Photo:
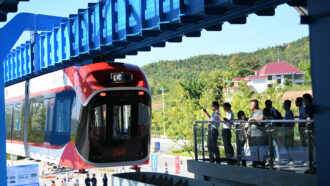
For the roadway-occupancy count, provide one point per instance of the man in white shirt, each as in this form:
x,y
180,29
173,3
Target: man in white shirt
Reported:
x,y
226,130
213,133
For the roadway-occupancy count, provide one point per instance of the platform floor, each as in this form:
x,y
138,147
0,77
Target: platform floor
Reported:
x,y
240,175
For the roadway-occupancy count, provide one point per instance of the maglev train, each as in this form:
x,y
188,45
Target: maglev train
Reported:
x,y
97,115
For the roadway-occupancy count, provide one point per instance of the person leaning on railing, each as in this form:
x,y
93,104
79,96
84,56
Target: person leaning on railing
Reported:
x,y
258,137
212,139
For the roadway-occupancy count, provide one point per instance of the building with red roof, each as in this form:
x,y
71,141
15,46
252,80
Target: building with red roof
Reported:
x,y
270,74
277,69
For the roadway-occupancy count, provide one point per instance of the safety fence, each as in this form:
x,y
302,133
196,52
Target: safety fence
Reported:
x,y
275,144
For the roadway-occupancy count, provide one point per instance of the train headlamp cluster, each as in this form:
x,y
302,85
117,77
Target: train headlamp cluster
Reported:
x,y
121,77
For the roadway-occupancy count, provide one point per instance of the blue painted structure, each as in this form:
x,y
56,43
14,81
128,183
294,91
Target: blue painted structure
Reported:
x,y
114,29
18,62
8,36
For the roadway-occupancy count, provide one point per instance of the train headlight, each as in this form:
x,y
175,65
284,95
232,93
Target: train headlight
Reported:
x,y
122,77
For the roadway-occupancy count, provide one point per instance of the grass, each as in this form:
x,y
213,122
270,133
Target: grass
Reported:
x,y
182,152
185,154
18,157
303,87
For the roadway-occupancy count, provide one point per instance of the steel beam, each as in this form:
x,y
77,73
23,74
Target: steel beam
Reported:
x,y
113,29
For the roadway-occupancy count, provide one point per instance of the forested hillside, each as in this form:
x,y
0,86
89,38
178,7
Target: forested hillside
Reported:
x,y
192,84
163,72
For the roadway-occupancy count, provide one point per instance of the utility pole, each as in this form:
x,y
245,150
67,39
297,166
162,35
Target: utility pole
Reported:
x,y
162,89
227,82
278,55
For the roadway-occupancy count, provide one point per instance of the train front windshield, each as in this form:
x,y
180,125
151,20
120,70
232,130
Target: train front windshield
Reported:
x,y
117,128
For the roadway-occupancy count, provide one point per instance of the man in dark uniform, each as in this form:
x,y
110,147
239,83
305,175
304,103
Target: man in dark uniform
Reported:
x,y
94,181
309,114
88,181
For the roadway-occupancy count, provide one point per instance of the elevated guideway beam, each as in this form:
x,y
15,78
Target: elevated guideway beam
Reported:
x,y
10,33
112,29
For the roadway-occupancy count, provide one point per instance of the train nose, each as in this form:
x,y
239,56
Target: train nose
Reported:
x,y
115,127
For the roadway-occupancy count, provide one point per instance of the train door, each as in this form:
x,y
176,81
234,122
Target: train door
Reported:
x,y
62,121
36,126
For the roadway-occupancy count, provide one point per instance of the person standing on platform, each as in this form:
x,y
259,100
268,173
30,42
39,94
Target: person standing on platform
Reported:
x,y
226,129
309,114
88,181
258,137
302,126
212,140
274,114
308,102
105,180
243,134
286,133
94,180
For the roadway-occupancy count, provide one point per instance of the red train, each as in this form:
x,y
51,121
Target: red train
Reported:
x,y
97,115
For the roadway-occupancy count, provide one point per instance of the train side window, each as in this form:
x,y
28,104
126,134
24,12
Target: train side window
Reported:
x,y
63,115
9,119
17,121
37,117
37,120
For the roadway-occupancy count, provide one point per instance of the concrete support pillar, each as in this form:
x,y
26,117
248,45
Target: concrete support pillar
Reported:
x,y
319,12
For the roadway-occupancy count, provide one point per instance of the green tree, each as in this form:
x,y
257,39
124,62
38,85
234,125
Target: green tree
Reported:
x,y
306,67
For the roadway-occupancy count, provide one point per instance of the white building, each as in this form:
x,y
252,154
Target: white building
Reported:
x,y
270,74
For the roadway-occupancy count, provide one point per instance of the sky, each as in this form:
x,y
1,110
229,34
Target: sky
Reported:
x,y
259,32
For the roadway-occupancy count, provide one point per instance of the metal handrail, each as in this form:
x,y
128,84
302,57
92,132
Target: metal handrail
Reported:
x,y
309,128
259,121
